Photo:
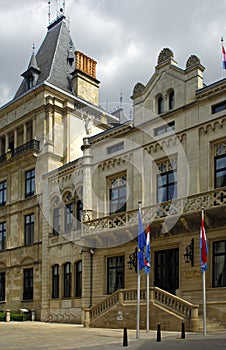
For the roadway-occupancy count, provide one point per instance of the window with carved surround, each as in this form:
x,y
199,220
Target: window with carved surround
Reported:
x,y
117,193
115,273
68,211
167,180
220,165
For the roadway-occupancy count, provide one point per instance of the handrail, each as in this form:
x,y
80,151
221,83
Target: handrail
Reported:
x,y
157,296
179,206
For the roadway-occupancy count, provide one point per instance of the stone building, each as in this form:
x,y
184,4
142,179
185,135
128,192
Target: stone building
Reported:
x,y
72,177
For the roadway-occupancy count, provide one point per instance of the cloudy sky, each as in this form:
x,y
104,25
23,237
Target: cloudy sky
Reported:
x,y
125,37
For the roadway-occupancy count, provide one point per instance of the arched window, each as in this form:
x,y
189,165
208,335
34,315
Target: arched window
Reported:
x,y
68,212
55,281
171,99
79,207
160,104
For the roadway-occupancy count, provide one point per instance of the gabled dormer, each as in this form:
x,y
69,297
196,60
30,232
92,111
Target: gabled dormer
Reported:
x,y
32,73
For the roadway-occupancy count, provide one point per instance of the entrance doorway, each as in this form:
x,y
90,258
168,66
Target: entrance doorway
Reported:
x,y
167,270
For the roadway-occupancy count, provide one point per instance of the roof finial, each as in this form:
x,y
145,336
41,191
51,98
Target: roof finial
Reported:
x,y
33,48
64,6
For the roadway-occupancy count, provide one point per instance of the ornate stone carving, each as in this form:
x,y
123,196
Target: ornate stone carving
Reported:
x,y
165,55
192,61
138,89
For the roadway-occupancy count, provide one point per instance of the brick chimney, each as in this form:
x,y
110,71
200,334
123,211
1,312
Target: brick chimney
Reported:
x,y
85,84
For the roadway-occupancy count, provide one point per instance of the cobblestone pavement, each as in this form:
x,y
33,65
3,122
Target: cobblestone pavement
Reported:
x,y
41,336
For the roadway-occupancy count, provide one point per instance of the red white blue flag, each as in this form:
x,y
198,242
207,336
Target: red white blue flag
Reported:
x,y
223,55
141,242
147,260
203,245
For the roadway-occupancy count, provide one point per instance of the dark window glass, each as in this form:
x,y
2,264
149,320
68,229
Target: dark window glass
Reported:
x,y
114,148
164,128
79,208
28,284
171,100
2,286
117,195
220,171
68,216
115,274
55,281
29,183
78,279
56,220
219,264
166,186
2,235
29,229
67,279
160,105
3,186
219,107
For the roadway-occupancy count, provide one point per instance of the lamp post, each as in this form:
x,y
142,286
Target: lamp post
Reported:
x,y
132,262
189,255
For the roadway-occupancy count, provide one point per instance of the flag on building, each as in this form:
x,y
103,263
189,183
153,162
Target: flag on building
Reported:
x,y
203,245
223,55
141,242
147,260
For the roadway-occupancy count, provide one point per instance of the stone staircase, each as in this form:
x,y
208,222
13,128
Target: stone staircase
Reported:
x,y
119,310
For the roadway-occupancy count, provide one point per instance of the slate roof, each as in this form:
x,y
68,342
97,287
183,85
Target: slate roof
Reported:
x,y
53,58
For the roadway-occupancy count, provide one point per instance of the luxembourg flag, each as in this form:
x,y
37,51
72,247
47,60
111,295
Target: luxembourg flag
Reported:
x,y
223,55
203,245
147,253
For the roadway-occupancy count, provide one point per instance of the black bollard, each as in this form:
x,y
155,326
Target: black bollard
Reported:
x,y
125,338
159,333
183,331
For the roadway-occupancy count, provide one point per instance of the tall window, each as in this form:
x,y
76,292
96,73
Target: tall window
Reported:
x,y
29,183
3,186
2,286
219,264
67,279
220,171
56,220
78,279
117,194
79,207
55,281
115,273
28,284
167,181
160,104
29,229
2,235
68,212
171,100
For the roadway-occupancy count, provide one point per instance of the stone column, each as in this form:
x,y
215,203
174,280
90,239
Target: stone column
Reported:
x,y
25,132
15,138
6,142
87,180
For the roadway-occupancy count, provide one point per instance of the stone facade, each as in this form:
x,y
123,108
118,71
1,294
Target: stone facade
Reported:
x,y
90,176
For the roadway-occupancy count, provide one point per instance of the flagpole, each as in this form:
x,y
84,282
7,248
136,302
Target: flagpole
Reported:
x,y
138,291
204,290
148,280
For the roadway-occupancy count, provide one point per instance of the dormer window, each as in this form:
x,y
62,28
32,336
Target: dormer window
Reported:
x,y
160,104
171,99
